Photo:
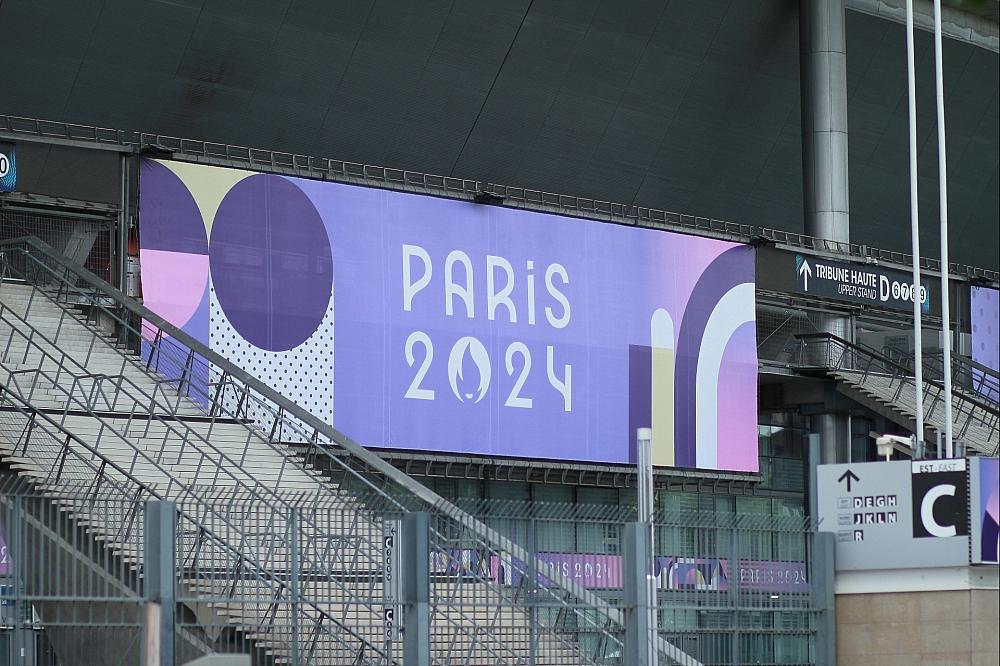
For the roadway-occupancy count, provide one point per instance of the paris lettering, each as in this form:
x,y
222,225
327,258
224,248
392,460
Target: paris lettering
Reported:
x,y
516,296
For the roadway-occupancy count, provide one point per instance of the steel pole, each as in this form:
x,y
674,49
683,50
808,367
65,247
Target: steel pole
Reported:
x,y
644,471
918,338
943,189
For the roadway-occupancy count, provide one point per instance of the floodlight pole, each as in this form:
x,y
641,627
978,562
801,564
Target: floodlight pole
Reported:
x,y
943,189
644,472
918,338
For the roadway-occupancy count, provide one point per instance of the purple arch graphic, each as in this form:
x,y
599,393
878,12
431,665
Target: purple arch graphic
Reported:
x,y
731,268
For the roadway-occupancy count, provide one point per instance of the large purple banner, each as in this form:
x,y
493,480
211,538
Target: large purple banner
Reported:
x,y
421,323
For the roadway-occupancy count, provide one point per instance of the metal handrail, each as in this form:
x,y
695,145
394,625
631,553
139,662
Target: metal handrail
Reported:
x,y
221,464
330,169
401,491
102,470
868,361
175,423
968,375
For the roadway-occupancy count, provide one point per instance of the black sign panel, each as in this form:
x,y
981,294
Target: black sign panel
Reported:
x,y
940,499
863,284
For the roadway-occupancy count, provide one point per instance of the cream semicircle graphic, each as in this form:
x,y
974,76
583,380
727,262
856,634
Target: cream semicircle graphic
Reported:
x,y
208,186
662,339
735,308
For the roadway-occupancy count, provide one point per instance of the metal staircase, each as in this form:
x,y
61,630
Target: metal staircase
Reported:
x,y
887,386
97,390
970,378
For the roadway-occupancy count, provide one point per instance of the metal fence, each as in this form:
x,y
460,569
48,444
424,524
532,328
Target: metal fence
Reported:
x,y
973,417
86,242
151,425
731,589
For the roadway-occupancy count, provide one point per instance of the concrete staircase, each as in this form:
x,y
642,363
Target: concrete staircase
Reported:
x,y
96,415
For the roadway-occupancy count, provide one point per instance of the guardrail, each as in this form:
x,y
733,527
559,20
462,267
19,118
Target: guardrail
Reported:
x,y
828,351
330,169
967,375
226,391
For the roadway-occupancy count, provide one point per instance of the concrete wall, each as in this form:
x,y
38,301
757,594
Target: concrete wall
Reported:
x,y
943,628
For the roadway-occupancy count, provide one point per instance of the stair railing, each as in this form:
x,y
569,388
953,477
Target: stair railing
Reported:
x,y
833,353
967,375
62,459
225,390
53,370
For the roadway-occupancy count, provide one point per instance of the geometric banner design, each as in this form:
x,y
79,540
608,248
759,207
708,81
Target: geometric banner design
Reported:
x,y
984,307
421,323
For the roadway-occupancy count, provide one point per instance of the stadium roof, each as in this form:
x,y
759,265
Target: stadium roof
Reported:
x,y
682,105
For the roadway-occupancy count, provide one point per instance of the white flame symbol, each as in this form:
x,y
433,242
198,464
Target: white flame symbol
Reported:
x,y
479,356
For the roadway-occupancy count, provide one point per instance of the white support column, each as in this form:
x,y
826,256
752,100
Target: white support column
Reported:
x,y
918,338
943,189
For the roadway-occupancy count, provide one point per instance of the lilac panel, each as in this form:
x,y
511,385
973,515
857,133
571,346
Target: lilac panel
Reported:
x,y
601,571
507,333
461,328
985,310
767,576
986,511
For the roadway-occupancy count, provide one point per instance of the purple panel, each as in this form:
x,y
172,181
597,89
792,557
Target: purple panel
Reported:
x,y
640,394
483,330
988,513
767,576
591,570
985,310
732,267
600,571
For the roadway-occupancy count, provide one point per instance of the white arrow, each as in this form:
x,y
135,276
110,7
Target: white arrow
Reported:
x,y
805,272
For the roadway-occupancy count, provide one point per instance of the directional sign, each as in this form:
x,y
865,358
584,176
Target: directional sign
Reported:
x,y
859,283
847,477
895,515
804,272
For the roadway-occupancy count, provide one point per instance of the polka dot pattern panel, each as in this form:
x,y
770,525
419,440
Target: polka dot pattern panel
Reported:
x,y
271,262
985,308
305,371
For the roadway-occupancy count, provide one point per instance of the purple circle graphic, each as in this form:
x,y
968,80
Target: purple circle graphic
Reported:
x,y
270,262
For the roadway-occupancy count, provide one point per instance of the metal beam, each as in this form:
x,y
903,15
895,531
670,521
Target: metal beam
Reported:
x,y
958,24
87,144
304,166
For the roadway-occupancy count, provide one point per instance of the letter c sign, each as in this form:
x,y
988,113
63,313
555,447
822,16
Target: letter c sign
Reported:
x,y
927,511
939,505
